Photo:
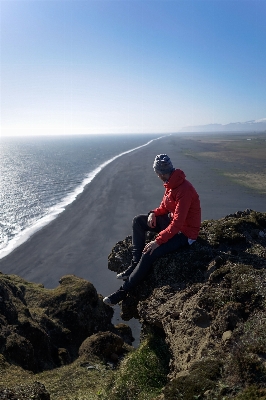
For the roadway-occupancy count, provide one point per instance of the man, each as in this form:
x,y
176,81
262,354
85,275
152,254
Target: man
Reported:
x,y
177,221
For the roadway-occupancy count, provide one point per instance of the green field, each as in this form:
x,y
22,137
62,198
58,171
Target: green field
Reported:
x,y
242,158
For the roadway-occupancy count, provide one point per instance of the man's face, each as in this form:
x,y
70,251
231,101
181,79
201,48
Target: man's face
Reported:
x,y
162,177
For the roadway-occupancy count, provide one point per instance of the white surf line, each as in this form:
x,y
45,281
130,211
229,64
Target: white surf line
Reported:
x,y
57,209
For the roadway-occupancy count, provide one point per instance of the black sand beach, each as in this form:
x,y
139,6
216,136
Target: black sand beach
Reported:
x,y
80,239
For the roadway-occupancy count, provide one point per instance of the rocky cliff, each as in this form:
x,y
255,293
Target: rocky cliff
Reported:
x,y
209,302
206,301
42,329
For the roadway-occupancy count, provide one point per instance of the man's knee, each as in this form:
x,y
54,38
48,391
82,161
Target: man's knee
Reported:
x,y
135,219
139,220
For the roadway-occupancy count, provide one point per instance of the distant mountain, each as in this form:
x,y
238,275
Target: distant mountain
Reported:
x,y
249,126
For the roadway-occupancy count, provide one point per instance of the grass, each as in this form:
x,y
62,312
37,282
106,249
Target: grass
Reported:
x,y
255,181
201,378
142,374
71,382
246,158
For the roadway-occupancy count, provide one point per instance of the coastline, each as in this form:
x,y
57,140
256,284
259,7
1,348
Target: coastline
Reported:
x,y
80,239
59,207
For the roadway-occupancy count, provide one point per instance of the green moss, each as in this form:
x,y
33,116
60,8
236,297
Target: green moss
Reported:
x,y
230,230
252,393
70,382
143,373
202,377
246,367
255,336
248,353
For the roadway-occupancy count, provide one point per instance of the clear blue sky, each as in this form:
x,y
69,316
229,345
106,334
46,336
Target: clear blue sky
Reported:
x,y
130,66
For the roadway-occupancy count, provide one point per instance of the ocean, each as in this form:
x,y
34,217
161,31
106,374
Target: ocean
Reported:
x,y
40,176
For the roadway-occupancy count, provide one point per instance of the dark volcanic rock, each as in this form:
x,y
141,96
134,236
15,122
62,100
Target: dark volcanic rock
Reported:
x,y
210,302
43,328
35,391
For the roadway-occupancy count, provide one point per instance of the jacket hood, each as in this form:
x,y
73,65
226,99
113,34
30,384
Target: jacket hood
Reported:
x,y
176,178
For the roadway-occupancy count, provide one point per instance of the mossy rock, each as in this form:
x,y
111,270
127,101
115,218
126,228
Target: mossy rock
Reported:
x,y
103,344
202,377
37,323
34,391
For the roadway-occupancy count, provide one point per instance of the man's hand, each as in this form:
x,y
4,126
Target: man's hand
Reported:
x,y
150,247
151,220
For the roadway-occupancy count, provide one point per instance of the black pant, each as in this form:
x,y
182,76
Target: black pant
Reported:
x,y
145,261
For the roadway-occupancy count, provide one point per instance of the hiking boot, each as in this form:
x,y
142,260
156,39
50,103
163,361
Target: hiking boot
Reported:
x,y
125,274
115,297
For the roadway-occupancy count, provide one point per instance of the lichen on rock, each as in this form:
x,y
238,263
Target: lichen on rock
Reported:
x,y
199,294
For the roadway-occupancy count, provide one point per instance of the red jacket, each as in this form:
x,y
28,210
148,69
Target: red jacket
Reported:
x,y
182,201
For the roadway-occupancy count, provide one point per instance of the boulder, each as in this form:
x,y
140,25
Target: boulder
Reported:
x,y
44,328
103,345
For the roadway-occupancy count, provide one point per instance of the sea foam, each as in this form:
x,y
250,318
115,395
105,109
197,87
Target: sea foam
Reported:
x,y
9,245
